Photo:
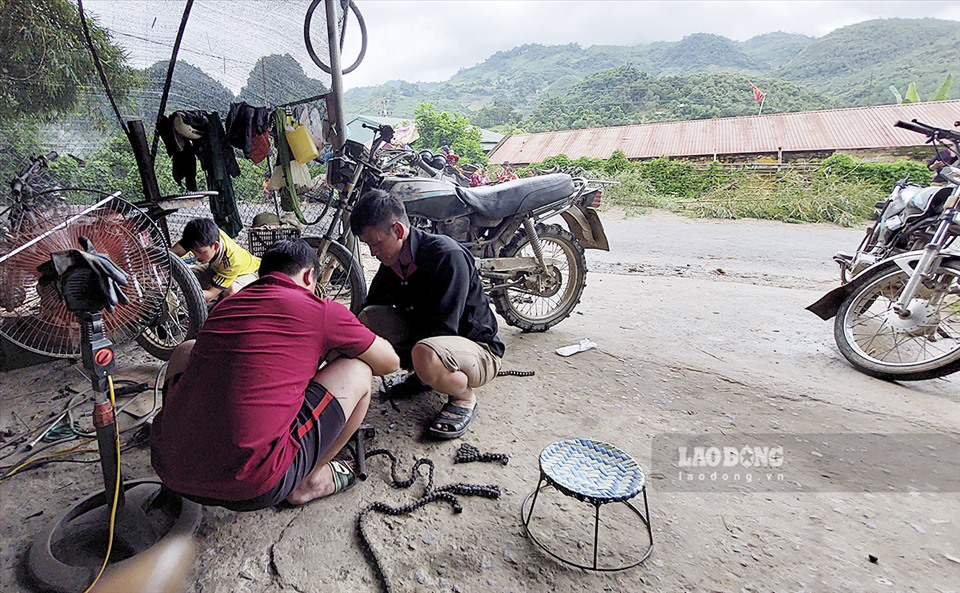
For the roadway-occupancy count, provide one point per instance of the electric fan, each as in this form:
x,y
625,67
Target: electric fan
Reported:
x,y
33,317
60,266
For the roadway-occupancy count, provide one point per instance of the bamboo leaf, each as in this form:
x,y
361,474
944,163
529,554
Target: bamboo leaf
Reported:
x,y
896,94
943,91
911,96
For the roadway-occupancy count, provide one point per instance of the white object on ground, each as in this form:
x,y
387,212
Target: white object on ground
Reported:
x,y
583,346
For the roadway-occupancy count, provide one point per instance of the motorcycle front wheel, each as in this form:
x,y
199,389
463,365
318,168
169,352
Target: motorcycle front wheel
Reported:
x,y
879,343
341,275
182,313
536,308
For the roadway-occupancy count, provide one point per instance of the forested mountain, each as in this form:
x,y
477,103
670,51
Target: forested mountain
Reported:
x,y
534,85
191,88
857,64
277,79
626,95
772,50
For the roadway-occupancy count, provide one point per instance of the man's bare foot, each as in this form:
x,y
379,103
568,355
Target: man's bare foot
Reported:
x,y
334,477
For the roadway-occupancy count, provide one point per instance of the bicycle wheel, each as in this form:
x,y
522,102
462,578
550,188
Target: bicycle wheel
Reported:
x,y
309,43
341,275
182,313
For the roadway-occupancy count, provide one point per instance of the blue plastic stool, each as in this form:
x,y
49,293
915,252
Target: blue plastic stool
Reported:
x,y
594,472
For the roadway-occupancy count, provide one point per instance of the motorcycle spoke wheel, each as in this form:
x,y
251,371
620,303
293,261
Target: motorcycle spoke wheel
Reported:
x,y
537,305
341,276
877,341
182,313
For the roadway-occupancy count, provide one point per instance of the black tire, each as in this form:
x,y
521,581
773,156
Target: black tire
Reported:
x,y
871,296
572,280
172,328
346,283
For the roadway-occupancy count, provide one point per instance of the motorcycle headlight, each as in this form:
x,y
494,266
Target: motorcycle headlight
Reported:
x,y
893,223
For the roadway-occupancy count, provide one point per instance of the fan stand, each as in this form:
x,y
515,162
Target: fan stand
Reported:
x,y
66,556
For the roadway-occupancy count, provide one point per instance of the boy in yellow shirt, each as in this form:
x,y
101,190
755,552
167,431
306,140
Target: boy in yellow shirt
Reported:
x,y
226,268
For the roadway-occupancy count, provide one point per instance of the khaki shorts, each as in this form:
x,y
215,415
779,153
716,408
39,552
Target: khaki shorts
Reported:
x,y
205,276
473,359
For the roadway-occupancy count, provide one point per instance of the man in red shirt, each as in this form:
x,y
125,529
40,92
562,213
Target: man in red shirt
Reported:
x,y
248,421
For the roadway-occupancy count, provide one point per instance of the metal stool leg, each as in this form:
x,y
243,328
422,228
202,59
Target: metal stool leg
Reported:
x,y
646,510
596,536
536,493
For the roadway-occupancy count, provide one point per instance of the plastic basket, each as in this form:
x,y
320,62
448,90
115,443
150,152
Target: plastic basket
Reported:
x,y
260,239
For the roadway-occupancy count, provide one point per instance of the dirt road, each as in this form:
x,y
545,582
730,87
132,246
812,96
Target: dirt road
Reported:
x,y
701,331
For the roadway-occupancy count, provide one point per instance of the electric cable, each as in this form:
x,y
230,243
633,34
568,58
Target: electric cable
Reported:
x,y
116,489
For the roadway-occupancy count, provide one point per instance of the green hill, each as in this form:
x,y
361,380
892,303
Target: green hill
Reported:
x,y
851,66
857,64
772,50
191,88
626,95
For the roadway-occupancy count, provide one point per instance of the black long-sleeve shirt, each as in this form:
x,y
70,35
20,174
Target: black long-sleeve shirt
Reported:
x,y
443,294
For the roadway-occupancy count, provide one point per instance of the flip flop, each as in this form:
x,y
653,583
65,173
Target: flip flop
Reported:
x,y
344,478
462,417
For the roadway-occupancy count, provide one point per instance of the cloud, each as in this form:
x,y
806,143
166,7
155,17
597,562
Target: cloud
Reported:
x,y
430,40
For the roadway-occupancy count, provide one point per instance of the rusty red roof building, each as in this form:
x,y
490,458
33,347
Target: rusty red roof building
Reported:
x,y
858,128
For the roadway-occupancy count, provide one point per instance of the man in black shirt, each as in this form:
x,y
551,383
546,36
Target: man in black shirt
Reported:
x,y
427,300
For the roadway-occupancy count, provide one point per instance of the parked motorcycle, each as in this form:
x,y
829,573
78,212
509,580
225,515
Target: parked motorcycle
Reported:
x,y
534,272
905,221
898,316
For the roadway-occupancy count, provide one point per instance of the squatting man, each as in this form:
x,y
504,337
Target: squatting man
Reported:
x,y
257,408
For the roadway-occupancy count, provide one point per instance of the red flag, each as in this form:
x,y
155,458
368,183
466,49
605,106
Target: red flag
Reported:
x,y
758,95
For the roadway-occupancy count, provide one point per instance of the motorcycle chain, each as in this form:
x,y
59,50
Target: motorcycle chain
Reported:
x,y
448,493
469,454
516,373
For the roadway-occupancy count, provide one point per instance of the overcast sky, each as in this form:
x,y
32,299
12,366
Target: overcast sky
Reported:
x,y
431,40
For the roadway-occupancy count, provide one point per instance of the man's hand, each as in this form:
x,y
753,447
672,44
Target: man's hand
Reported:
x,y
211,294
178,250
381,357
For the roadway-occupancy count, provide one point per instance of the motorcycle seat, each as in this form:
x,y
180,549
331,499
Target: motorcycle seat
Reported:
x,y
520,195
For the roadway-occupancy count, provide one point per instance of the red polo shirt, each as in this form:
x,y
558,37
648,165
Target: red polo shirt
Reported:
x,y
225,428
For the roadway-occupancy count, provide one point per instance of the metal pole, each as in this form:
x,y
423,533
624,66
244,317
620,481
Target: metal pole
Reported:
x,y
169,79
336,75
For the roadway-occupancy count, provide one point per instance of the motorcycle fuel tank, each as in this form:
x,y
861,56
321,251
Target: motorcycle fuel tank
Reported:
x,y
434,199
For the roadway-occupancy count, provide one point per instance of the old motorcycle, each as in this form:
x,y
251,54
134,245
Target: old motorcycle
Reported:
x,y
534,271
898,318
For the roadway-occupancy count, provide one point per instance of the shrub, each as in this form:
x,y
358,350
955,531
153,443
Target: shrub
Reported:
x,y
879,175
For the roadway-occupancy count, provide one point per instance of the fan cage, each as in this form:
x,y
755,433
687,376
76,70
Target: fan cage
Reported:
x,y
33,316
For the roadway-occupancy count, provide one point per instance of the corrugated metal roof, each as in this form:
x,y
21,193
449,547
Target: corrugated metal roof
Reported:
x,y
834,129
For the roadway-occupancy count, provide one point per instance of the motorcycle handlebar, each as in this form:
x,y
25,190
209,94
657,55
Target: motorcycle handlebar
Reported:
x,y
912,127
35,163
927,130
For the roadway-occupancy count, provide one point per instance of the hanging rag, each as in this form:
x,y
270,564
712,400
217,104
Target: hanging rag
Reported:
x,y
246,123
220,165
183,148
310,118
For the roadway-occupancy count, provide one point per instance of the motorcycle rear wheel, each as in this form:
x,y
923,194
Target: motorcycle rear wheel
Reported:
x,y
878,344
182,313
536,313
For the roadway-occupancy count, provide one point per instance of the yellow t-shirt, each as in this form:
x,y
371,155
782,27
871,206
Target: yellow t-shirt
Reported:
x,y
234,261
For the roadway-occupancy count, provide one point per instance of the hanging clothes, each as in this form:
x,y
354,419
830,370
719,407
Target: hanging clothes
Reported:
x,y
181,132
244,124
220,165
